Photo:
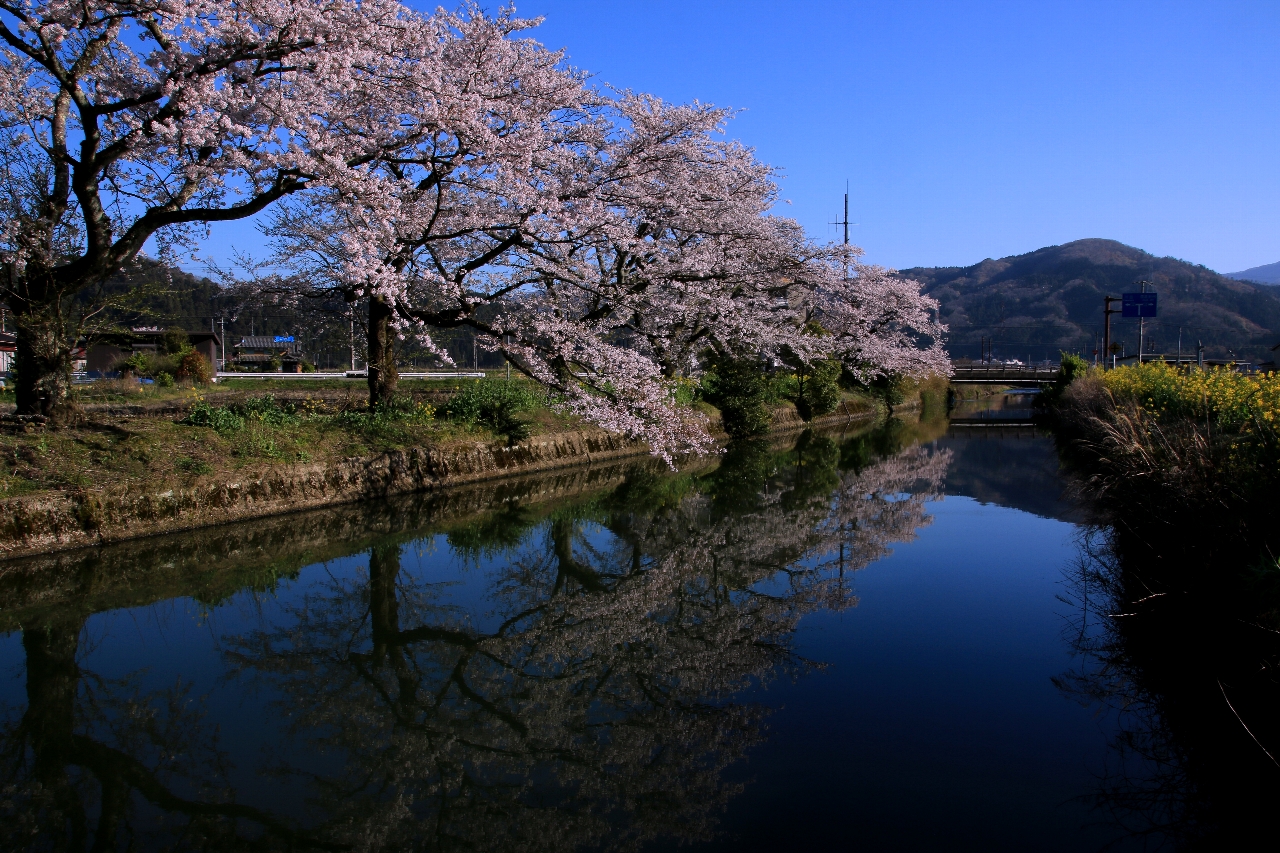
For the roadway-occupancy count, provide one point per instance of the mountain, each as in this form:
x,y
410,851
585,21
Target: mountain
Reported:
x,y
1038,304
1267,274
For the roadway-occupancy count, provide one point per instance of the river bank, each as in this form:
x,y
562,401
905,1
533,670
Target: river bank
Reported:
x,y
172,486
1178,451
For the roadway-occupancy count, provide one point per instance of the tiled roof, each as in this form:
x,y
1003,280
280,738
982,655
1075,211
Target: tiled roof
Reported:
x,y
268,342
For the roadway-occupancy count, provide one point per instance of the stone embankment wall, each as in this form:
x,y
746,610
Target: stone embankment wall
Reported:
x,y
210,563
55,521
51,522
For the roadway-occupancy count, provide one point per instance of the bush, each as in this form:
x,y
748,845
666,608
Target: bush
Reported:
x,y
684,391
495,404
148,364
164,380
196,368
739,388
891,389
174,342
138,363
218,418
818,391
388,420
1071,368
1231,401
266,409
1197,449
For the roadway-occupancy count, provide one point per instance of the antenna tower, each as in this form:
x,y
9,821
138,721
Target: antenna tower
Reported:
x,y
846,223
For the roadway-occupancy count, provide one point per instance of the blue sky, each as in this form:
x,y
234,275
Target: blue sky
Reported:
x,y
974,130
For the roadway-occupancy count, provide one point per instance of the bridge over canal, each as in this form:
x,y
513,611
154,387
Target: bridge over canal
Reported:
x,y
1015,376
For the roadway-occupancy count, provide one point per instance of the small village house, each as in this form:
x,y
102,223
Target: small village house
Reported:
x,y
268,353
106,351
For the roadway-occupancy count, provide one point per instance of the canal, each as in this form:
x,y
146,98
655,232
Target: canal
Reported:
x,y
877,639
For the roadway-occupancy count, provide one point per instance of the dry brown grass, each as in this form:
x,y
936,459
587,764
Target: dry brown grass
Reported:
x,y
1173,465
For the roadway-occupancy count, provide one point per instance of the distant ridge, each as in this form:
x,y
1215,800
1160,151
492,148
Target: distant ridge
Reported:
x,y
1268,274
1051,299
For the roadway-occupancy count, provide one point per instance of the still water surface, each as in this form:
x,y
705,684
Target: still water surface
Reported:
x,y
842,641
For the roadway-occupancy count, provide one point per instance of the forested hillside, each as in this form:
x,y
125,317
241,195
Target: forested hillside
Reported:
x,y
1036,304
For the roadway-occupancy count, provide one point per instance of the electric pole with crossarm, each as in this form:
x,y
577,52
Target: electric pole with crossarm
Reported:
x,y
846,223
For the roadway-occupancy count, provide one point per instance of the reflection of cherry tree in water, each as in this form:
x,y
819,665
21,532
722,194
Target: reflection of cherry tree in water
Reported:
x,y
595,705
74,760
1185,655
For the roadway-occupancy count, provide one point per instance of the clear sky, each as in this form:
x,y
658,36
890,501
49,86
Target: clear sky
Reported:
x,y
970,130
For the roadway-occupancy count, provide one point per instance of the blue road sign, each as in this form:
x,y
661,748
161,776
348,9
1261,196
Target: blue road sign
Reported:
x,y
288,339
1138,305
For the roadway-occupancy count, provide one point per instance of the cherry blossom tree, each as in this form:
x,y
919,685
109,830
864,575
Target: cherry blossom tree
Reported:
x,y
602,243
881,325
414,239
444,170
127,121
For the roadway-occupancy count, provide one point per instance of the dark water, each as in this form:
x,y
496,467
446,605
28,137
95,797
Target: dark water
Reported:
x,y
869,640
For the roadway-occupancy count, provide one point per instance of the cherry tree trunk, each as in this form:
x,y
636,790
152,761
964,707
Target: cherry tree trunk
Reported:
x,y
382,357
43,360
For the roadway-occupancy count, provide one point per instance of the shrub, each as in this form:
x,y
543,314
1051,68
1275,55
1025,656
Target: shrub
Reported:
x,y
164,380
1231,401
196,368
495,404
148,364
1071,368
218,418
388,420
739,388
138,363
818,390
1194,448
685,391
174,342
266,409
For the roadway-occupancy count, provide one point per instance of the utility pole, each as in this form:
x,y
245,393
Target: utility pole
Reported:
x,y
353,340
1107,311
222,324
846,223
1142,323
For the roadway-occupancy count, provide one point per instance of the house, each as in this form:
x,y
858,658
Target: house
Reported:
x,y
8,350
268,353
102,355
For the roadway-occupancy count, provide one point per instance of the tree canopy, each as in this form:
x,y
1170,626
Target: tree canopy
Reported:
x,y
442,170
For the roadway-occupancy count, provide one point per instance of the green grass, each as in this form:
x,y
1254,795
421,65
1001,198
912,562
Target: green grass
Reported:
x,y
220,441
227,433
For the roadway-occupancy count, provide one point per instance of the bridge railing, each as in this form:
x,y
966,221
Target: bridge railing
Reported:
x,y
1002,371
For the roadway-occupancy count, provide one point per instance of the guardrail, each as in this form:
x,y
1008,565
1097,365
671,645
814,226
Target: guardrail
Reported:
x,y
1002,373
354,376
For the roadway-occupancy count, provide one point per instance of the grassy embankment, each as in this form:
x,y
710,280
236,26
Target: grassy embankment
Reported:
x,y
222,431
1199,447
